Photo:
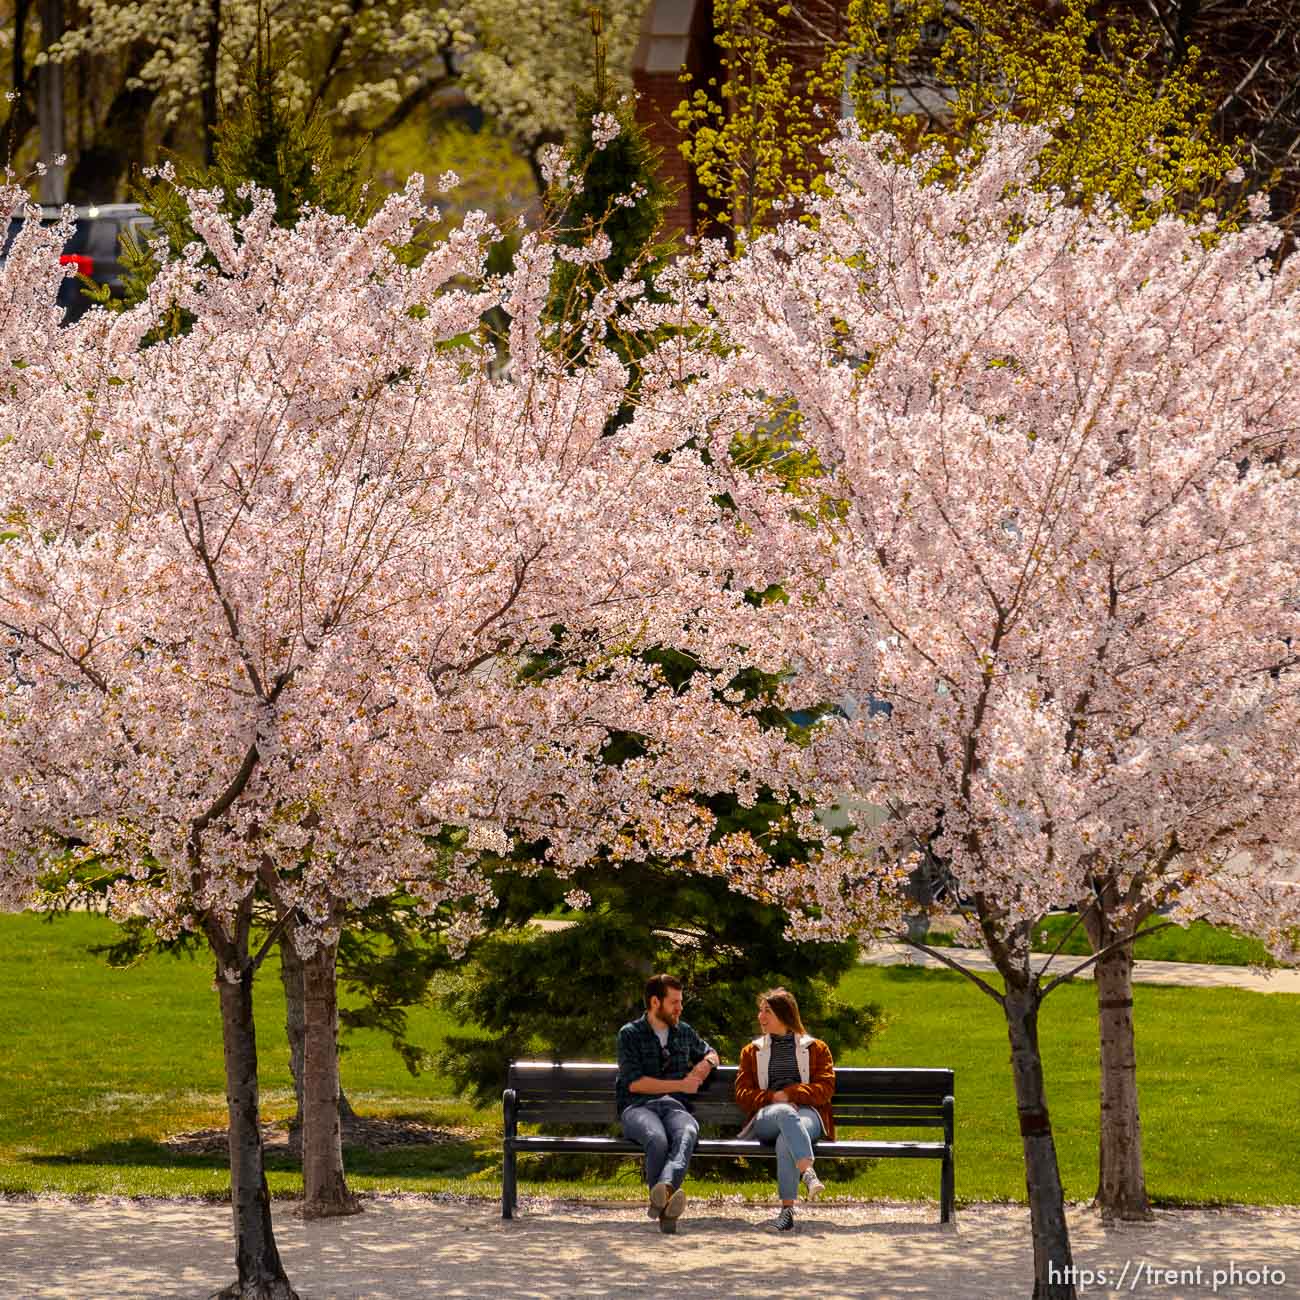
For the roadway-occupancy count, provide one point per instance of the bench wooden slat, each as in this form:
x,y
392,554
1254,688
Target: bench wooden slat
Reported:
x,y
566,1115
530,1112
582,1079
848,1150
892,1098
578,1073
851,1149
723,1097
573,1143
726,1109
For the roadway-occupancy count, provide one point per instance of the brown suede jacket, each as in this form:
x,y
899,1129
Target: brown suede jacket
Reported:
x,y
816,1090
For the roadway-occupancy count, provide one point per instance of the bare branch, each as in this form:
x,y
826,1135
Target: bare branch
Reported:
x,y
939,955
1102,952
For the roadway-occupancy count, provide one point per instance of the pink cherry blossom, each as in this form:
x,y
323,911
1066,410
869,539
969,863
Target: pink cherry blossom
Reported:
x,y
1061,543
271,585
1066,554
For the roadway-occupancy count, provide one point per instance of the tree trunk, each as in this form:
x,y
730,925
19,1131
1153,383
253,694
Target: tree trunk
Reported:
x,y
18,73
1121,1185
1053,1263
20,121
261,1275
209,97
49,107
325,1188
101,169
295,1026
295,1018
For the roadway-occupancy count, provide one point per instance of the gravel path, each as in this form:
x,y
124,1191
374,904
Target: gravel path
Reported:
x,y
406,1247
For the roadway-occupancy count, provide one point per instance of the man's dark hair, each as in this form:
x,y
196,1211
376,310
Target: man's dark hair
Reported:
x,y
657,986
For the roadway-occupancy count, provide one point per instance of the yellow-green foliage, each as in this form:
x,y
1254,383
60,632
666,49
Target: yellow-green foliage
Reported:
x,y
492,175
886,43
1117,129
1119,125
751,136
777,448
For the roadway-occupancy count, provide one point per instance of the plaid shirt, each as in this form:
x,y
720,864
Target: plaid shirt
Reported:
x,y
640,1054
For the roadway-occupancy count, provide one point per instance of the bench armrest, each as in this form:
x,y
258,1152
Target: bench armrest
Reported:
x,y
509,1111
948,1126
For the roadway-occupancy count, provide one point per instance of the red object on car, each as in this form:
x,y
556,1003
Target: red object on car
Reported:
x,y
85,265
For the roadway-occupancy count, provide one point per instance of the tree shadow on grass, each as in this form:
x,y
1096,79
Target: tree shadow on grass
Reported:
x,y
443,1159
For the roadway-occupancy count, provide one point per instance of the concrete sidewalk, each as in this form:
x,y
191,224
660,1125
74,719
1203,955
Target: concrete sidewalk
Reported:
x,y
1188,974
402,1248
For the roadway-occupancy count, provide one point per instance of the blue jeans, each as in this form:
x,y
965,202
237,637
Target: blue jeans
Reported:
x,y
794,1132
667,1131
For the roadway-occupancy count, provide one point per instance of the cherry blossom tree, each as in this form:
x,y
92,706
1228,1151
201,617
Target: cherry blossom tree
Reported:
x,y
1061,455
269,590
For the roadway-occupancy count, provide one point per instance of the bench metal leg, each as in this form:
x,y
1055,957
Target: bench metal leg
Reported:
x,y
947,1190
509,1195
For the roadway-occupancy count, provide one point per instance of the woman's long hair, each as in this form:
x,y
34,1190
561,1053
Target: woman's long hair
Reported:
x,y
782,1005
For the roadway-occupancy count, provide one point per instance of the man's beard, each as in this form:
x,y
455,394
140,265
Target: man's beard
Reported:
x,y
670,1018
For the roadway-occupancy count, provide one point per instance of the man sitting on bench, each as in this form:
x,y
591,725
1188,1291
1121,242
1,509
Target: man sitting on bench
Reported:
x,y
662,1062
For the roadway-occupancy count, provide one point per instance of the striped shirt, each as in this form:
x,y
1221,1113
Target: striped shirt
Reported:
x,y
784,1068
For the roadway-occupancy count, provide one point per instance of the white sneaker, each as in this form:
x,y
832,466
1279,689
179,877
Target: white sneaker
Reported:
x,y
814,1184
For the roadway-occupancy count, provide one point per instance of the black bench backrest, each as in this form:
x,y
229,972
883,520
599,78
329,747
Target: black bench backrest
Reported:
x,y
582,1092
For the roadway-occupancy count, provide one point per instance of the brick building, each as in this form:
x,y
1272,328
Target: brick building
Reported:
x,y
675,35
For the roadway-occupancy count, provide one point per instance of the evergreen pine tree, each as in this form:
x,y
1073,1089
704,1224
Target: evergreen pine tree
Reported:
x,y
561,993
267,142
618,194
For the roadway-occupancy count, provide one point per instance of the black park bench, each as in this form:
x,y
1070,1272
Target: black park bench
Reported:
x,y
582,1094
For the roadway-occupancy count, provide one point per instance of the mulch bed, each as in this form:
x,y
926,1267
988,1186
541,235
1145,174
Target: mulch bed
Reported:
x,y
366,1134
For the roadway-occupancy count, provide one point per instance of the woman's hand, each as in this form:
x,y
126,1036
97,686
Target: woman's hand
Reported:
x,y
780,1097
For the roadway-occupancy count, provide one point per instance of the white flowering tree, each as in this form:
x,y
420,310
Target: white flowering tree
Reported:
x,y
1064,552
369,65
267,590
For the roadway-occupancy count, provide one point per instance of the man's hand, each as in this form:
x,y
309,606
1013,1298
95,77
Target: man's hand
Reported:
x,y
699,1072
691,1083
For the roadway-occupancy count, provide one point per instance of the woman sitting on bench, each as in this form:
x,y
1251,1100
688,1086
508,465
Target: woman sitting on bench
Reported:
x,y
785,1084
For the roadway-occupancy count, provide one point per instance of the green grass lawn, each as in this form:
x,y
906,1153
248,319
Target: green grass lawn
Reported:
x,y
96,1066
1198,942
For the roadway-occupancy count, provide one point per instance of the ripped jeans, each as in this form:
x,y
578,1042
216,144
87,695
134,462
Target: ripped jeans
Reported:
x,y
667,1131
794,1131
